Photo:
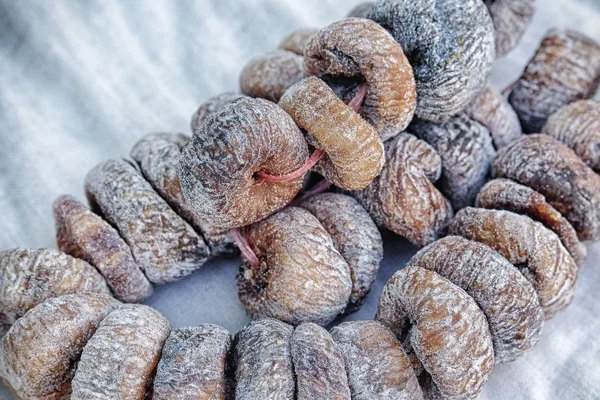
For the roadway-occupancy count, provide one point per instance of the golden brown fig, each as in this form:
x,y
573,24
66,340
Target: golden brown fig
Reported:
x,y
297,40
300,277
39,354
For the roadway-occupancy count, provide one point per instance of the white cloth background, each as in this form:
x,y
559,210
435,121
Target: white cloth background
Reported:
x,y
81,81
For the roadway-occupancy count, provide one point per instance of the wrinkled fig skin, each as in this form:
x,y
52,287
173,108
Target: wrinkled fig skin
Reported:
x,y
376,364
269,76
493,111
83,234
210,106
359,49
193,365
504,194
297,40
511,19
564,69
217,167
301,277
318,365
529,245
403,198
354,151
507,299
120,360
354,235
158,157
466,149
263,361
38,355
449,43
361,10
458,352
165,247
554,170
28,277
578,126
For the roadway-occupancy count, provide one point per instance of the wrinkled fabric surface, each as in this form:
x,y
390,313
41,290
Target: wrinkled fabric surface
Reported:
x,y
82,81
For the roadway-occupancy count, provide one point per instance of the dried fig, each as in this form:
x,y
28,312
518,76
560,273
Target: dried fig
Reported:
x,y
377,366
403,198
120,360
269,76
444,327
263,360
318,365
297,40
358,50
511,19
193,365
39,354
28,277
507,299
158,157
165,247
450,45
564,69
354,153
578,126
492,110
466,149
504,194
83,234
301,276
210,106
551,168
217,169
530,246
354,235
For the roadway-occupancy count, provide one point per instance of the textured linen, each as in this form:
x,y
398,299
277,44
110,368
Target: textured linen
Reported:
x,y
82,81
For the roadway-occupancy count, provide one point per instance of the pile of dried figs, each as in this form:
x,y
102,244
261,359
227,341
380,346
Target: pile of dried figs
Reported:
x,y
379,121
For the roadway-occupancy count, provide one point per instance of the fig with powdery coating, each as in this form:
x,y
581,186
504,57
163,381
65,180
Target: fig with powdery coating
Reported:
x,y
269,76
158,156
507,299
554,170
377,366
120,360
165,247
359,50
564,69
354,153
210,106
301,277
511,19
530,246
449,43
217,169
444,327
403,198
318,365
297,40
466,149
193,365
263,361
354,235
83,234
492,110
39,354
504,194
28,277
578,126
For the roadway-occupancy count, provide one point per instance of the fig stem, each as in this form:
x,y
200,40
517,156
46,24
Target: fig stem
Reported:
x,y
509,88
318,188
244,247
354,104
